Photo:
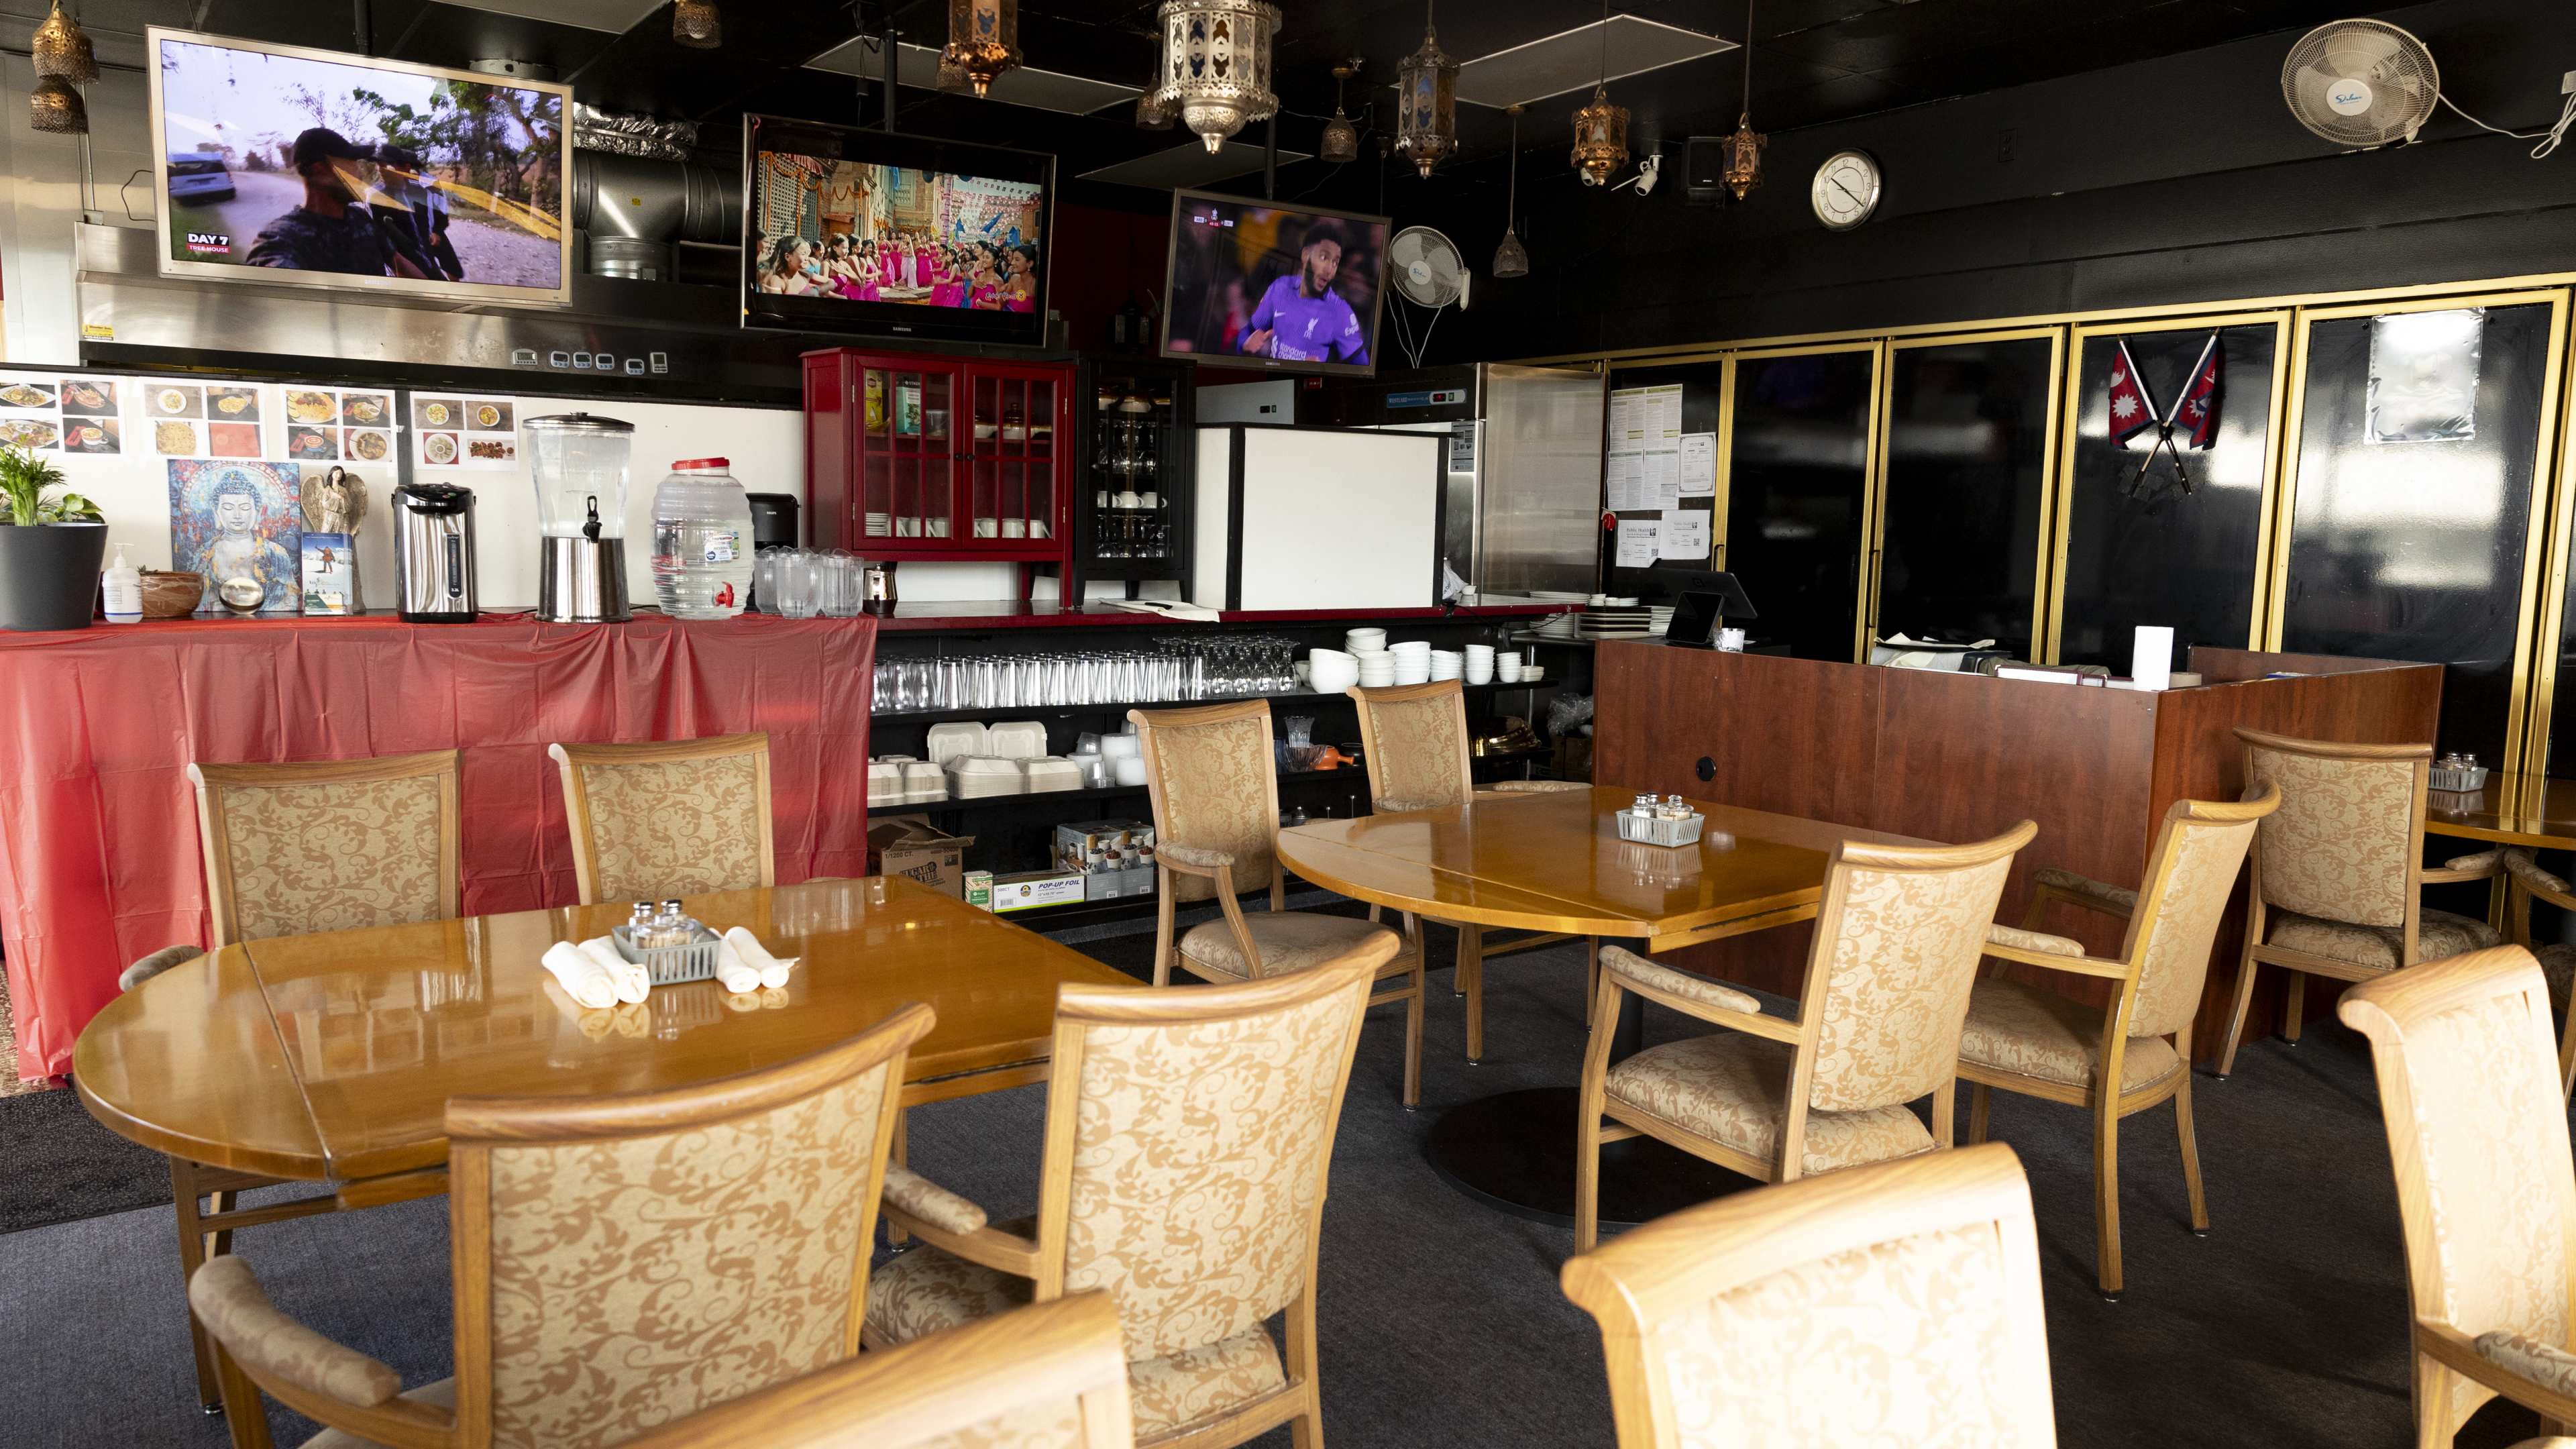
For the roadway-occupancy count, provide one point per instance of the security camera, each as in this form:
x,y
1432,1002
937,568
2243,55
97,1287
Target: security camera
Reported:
x,y
1649,171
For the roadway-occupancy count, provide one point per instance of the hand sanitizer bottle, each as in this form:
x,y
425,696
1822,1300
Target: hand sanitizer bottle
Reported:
x,y
123,586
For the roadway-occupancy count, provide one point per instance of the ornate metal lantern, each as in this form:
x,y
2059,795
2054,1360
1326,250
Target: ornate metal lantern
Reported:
x,y
1426,118
53,106
697,24
1600,138
1743,169
1511,259
1151,113
1216,65
1341,141
62,48
983,40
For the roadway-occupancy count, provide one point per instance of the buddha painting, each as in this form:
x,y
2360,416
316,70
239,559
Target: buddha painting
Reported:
x,y
238,521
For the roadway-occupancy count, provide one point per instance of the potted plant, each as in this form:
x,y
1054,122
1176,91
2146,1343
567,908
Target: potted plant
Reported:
x,y
51,545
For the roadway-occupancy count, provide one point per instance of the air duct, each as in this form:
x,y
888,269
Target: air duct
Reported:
x,y
631,209
626,135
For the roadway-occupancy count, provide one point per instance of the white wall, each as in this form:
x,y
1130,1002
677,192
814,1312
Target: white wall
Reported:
x,y
40,200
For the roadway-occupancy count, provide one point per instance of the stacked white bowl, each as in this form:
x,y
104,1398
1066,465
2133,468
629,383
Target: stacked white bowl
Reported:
x,y
1479,664
1377,668
1412,661
1364,641
1330,671
1445,663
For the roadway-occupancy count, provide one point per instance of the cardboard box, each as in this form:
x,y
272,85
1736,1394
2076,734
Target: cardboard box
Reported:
x,y
910,846
1112,885
1118,842
1033,888
979,889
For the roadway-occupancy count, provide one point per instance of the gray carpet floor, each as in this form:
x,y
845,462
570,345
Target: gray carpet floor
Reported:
x,y
1442,1324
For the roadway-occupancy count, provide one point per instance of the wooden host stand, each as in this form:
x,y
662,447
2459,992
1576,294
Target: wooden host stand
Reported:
x,y
1961,757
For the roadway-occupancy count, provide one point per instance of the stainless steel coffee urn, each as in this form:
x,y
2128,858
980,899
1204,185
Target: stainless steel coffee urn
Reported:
x,y
434,552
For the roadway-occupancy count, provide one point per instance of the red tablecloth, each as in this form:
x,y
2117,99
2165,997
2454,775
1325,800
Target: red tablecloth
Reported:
x,y
99,860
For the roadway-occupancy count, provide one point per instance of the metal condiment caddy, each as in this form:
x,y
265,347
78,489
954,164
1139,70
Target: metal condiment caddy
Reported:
x,y
672,948
1669,822
2458,773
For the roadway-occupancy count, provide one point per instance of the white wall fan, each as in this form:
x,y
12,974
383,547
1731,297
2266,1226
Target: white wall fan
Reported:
x,y
1424,268
2361,82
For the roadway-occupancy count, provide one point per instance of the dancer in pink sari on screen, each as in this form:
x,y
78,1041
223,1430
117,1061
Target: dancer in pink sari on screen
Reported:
x,y
1021,289
985,294
945,289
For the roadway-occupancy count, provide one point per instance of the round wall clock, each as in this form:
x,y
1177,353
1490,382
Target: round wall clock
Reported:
x,y
1845,192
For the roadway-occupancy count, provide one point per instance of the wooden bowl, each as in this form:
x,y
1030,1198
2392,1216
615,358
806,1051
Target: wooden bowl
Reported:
x,y
168,595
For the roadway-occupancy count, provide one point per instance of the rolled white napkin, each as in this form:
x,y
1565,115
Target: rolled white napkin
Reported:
x,y
632,982
773,970
582,978
736,975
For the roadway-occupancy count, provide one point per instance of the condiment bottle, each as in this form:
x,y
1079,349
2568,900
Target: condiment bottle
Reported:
x,y
123,591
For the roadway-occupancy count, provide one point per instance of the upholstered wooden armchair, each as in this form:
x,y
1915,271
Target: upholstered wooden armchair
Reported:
x,y
1048,1376
2338,872
620,1261
1188,1134
2486,1190
1897,939
668,817
2526,881
1215,791
324,845
2038,1043
1413,739
1892,1304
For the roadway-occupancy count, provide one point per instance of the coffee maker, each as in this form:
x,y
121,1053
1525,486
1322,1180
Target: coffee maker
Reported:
x,y
434,552
578,463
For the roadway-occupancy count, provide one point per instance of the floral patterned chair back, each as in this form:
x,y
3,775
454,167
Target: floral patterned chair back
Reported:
x,y
2341,847
1215,785
329,845
1897,1303
1415,740
1898,937
2197,862
668,818
623,1262
2486,1190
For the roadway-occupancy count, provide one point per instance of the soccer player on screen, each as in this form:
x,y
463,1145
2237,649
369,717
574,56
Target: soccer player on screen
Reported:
x,y
1301,318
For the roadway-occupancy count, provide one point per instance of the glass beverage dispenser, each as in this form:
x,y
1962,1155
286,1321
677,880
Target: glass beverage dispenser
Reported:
x,y
578,463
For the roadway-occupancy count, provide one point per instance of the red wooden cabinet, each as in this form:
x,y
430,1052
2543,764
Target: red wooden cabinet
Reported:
x,y
919,457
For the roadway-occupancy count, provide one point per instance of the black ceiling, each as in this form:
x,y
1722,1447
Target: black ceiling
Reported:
x,y
1813,60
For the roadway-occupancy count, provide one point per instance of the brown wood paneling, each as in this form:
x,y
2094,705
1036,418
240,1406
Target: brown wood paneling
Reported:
x,y
2224,666
1795,736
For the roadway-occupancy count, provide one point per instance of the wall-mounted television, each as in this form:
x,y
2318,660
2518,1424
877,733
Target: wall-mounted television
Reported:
x,y
279,164
1261,284
850,230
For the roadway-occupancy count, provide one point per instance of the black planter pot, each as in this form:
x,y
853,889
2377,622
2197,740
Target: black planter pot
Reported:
x,y
49,574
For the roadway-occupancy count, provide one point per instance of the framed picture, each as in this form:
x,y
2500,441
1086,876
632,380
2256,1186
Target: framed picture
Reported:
x,y
330,574
238,520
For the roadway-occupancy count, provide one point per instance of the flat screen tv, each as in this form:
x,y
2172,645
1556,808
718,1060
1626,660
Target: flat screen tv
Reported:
x,y
278,164
1260,284
849,230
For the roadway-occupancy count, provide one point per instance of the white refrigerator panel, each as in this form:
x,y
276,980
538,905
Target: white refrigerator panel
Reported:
x,y
1327,519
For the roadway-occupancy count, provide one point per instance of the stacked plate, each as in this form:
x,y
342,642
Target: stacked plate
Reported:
x,y
880,524
1412,661
1330,671
1377,668
1445,663
1364,641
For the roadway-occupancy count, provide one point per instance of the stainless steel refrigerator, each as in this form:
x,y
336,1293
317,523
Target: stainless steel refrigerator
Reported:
x,y
1524,483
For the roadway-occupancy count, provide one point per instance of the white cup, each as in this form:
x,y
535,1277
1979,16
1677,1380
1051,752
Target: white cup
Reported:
x,y
1100,499
1130,499
1480,673
1015,528
983,528
1130,768
1149,499
1508,668
1731,641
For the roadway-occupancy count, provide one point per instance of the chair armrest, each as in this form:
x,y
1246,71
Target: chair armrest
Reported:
x,y
2065,885
2053,953
1400,807
2454,1350
928,1202
2039,941
2526,872
1539,787
1196,860
274,1348
156,963
2483,865
1710,1001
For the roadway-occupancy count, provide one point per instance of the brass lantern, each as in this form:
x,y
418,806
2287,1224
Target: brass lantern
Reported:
x,y
1151,113
697,24
1600,138
983,40
1511,259
1426,116
53,106
1743,151
1341,141
1216,65
62,48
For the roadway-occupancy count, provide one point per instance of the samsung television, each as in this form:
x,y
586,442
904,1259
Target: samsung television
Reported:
x,y
1260,284
278,164
850,230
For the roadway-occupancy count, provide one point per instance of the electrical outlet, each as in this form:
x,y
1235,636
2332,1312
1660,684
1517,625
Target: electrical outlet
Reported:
x,y
2567,84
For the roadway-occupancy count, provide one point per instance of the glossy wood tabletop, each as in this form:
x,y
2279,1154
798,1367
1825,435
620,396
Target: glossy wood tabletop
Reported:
x,y
2526,810
334,1055
1555,862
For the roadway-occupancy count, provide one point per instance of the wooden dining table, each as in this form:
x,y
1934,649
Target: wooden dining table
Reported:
x,y
1554,862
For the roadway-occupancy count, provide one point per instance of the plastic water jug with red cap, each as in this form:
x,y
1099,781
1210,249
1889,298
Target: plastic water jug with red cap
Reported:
x,y
701,541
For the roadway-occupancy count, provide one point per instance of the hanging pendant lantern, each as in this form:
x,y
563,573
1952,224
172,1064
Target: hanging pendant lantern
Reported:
x,y
952,79
1151,113
55,108
1216,65
1341,141
1600,138
697,24
1743,150
1426,118
62,48
983,40
1511,259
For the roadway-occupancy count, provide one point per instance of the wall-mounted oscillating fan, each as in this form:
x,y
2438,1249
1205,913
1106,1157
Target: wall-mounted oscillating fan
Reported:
x,y
1424,268
2361,82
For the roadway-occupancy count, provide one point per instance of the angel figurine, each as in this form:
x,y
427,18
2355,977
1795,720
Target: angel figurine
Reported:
x,y
335,502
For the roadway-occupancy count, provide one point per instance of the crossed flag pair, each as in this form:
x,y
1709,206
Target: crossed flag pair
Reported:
x,y
2195,411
